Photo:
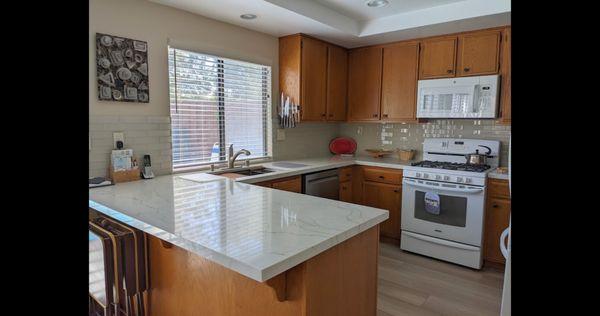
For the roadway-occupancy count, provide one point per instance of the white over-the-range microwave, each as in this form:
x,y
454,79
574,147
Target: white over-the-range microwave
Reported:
x,y
465,97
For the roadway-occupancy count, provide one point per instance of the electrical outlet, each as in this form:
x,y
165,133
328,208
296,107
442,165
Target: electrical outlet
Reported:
x,y
359,130
280,134
118,136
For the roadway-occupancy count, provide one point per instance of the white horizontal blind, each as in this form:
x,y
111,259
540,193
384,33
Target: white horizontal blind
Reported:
x,y
216,102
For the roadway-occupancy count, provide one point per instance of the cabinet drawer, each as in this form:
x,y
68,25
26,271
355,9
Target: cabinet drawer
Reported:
x,y
345,174
498,188
383,175
293,184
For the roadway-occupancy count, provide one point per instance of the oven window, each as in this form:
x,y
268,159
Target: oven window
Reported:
x,y
453,210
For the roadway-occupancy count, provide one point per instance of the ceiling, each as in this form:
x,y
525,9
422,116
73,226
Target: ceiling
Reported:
x,y
351,23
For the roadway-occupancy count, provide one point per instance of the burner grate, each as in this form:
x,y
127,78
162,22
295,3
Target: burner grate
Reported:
x,y
451,166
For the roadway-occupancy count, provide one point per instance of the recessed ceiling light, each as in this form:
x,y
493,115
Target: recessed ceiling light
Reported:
x,y
248,16
377,3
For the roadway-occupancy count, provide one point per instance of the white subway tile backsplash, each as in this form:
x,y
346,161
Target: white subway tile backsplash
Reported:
x,y
143,134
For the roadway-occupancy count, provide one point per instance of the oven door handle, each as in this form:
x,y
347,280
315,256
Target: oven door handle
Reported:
x,y
441,241
425,186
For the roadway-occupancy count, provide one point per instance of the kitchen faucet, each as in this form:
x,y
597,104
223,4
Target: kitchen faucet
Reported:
x,y
232,156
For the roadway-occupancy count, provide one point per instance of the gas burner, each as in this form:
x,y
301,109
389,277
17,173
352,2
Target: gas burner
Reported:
x,y
451,166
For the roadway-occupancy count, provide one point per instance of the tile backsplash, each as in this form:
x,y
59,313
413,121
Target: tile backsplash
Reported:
x,y
410,136
144,134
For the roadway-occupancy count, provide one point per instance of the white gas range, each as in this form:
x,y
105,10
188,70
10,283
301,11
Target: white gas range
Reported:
x,y
443,200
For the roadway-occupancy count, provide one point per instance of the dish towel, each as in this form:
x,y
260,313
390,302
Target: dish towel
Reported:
x,y
432,203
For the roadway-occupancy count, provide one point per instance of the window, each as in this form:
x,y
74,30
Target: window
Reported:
x,y
216,102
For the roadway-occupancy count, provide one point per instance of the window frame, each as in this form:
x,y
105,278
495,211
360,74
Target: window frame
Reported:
x,y
267,107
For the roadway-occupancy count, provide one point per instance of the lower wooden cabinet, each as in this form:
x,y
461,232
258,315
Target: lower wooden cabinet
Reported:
x,y
497,218
388,197
291,184
346,191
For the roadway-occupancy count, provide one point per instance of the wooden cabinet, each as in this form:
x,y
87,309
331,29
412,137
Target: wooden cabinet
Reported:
x,y
389,197
382,188
497,217
364,83
313,74
337,75
505,69
313,80
478,53
438,58
345,176
346,191
399,84
291,184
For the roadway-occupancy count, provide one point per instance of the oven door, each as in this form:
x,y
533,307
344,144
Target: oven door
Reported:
x,y
459,214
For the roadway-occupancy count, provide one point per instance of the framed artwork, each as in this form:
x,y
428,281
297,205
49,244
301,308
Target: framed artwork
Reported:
x,y
122,69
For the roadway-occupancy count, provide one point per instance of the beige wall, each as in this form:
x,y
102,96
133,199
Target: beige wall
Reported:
x,y
157,24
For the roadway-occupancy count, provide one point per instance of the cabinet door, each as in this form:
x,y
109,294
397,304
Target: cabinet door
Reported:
x,y
314,80
337,75
496,220
364,84
437,58
399,84
478,53
505,104
346,191
388,197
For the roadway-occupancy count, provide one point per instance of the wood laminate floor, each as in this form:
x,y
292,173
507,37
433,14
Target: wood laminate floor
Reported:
x,y
410,284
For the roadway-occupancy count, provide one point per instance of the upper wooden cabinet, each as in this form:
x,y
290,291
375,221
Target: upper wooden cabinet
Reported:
x,y
399,84
505,102
478,53
313,74
314,80
438,58
337,75
364,83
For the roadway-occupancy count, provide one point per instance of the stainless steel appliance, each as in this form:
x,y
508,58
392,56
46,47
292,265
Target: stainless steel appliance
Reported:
x,y
323,184
443,201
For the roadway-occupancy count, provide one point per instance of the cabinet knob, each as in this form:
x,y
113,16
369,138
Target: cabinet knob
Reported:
x,y
495,206
375,115
323,115
385,115
449,71
396,191
467,69
381,177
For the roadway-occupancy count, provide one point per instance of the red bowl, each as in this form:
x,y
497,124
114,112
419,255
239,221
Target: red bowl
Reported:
x,y
342,145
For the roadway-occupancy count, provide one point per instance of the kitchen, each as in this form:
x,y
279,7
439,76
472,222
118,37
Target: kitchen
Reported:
x,y
285,191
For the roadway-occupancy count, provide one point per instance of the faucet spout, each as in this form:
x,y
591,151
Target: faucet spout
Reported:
x,y
233,157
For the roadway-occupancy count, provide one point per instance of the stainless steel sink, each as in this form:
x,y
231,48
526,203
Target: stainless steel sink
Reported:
x,y
246,171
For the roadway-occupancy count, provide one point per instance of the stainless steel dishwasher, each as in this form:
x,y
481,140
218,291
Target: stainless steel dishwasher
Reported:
x,y
323,184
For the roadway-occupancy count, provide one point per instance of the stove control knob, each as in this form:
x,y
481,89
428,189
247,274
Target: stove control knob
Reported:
x,y
459,179
418,175
438,177
425,175
446,178
468,180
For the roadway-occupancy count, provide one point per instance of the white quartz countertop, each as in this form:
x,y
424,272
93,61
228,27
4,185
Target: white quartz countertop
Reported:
x,y
256,231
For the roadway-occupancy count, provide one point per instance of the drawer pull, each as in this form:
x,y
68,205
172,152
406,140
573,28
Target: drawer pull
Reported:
x,y
495,206
381,177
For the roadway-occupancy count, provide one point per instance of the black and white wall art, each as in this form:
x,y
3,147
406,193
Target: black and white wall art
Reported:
x,y
122,69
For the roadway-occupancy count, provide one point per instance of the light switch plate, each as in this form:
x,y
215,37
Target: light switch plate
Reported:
x,y
280,134
118,136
